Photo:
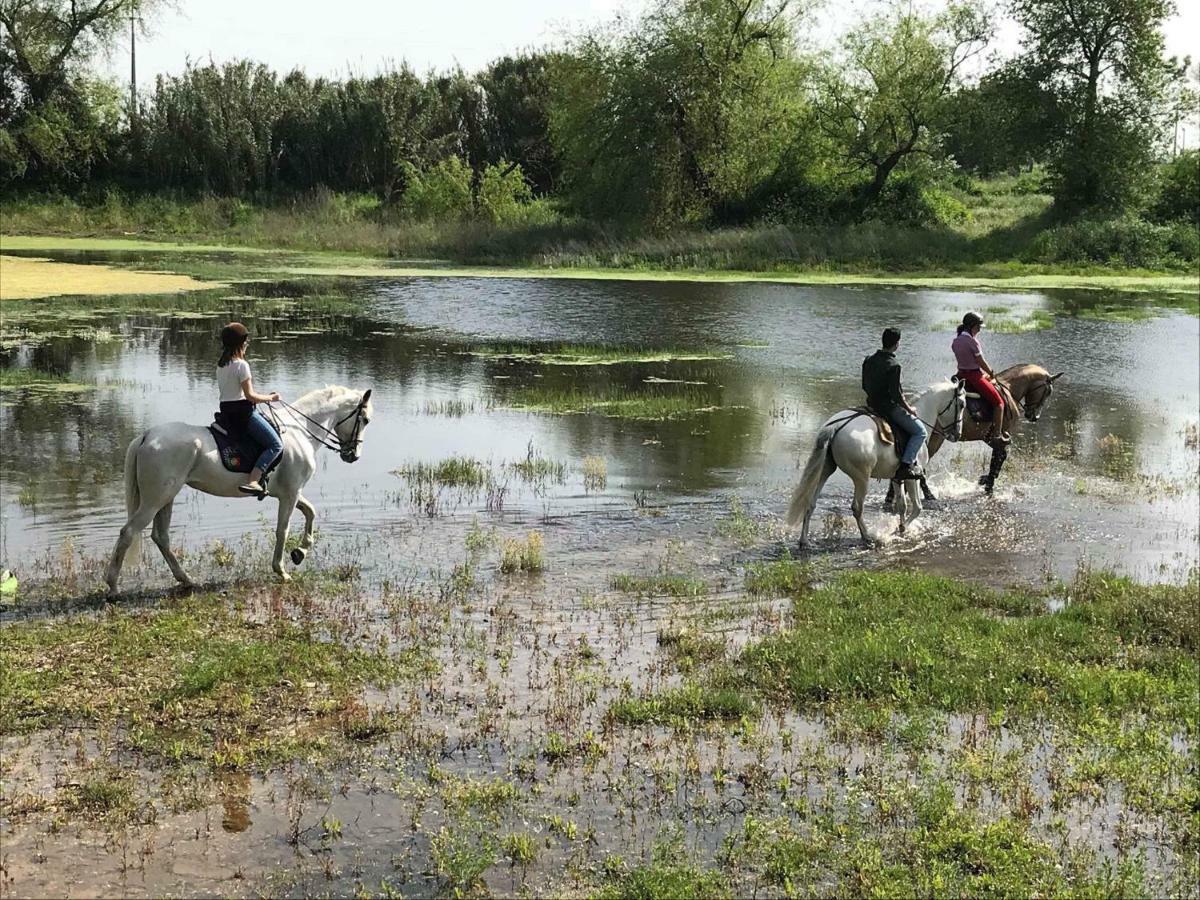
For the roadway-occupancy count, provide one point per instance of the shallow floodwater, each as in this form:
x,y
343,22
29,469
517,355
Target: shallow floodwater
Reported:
x,y
1107,477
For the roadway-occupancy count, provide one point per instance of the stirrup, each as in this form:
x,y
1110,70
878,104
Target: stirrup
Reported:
x,y
259,491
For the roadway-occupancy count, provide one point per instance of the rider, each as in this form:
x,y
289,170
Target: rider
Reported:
x,y
971,369
881,381
237,403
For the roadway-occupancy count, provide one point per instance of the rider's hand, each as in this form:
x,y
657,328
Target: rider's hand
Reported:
x,y
273,396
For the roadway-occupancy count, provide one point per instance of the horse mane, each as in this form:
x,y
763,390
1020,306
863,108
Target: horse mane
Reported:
x,y
320,395
1021,370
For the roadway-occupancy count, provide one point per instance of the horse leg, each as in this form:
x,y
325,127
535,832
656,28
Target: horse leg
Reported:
x,y
999,455
856,505
828,469
161,535
306,542
926,492
132,529
914,497
286,505
891,495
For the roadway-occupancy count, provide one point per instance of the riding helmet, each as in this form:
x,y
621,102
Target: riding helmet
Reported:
x,y
233,335
971,319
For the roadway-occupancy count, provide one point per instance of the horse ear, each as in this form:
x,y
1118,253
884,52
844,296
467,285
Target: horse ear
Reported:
x,y
1054,378
367,395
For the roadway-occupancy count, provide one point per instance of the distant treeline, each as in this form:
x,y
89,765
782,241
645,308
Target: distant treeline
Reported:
x,y
699,112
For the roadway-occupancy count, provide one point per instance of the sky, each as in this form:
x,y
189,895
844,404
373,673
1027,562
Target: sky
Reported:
x,y
364,36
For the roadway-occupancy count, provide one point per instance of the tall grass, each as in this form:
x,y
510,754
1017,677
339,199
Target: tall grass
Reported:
x,y
1004,220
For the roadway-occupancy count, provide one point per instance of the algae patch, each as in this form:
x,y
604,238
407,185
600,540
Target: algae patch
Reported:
x,y
28,278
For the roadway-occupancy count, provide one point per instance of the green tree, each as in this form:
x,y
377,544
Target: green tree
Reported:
x,y
517,118
56,123
1103,60
885,101
673,116
1004,122
44,40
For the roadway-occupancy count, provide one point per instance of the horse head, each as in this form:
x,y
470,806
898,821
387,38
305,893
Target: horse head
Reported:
x,y
349,428
1037,395
954,410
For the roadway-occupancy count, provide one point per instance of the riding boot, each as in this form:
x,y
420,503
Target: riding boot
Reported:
x,y
997,434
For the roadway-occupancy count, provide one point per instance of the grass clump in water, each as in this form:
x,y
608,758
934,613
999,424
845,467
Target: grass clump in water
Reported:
x,y
664,876
455,472
597,354
694,701
517,555
610,400
778,578
931,848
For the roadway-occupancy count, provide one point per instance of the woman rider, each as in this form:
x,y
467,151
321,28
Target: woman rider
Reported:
x,y
971,368
237,404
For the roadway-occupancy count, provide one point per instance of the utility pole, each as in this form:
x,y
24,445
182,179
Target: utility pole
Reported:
x,y
133,110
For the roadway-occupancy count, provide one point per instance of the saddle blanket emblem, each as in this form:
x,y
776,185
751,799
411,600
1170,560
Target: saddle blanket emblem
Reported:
x,y
237,455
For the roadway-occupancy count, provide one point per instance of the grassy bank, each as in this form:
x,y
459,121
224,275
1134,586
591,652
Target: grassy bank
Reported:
x,y
883,734
1001,230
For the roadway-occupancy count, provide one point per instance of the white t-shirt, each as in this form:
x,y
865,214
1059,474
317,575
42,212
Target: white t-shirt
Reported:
x,y
230,377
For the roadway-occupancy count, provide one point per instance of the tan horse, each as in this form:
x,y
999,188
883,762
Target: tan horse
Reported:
x,y
1025,388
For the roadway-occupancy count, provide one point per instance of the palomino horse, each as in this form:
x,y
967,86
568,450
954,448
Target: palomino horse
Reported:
x,y
1024,387
850,441
160,462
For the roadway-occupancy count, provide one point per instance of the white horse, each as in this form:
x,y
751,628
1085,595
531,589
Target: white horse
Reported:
x,y
160,462
850,441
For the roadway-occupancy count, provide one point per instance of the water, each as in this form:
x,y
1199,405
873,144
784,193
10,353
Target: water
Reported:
x,y
1107,476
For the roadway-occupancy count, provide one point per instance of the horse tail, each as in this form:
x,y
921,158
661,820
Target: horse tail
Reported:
x,y
133,494
802,496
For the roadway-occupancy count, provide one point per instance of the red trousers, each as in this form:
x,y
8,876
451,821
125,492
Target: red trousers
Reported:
x,y
978,383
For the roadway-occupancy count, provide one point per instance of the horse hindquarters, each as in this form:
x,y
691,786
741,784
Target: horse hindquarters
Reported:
x,y
156,468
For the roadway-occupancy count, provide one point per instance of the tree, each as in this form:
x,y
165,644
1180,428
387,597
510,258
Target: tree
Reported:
x,y
1103,60
885,101
672,117
56,123
517,119
43,39
1006,121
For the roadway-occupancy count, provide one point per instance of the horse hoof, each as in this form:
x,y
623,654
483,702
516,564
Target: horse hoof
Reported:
x,y
297,556
283,576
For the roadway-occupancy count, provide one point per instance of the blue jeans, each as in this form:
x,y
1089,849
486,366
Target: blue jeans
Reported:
x,y
261,432
904,421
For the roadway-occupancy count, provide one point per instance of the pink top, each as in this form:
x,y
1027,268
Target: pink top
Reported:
x,y
966,350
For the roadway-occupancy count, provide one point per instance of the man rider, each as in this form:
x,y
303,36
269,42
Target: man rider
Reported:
x,y
881,381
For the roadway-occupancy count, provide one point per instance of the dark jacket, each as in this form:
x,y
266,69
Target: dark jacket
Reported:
x,y
881,381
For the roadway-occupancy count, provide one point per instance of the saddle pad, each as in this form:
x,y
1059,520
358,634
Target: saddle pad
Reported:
x,y
979,409
237,454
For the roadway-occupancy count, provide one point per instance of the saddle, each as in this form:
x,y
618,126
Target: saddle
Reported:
x,y
978,408
882,425
237,452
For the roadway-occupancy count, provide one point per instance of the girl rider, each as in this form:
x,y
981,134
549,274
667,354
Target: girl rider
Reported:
x,y
971,368
237,404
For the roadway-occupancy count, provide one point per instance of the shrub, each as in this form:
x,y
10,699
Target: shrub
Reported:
x,y
1179,190
1125,241
503,193
440,193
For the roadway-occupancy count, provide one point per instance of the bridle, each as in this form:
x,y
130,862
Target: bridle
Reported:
x,y
936,427
345,448
1047,387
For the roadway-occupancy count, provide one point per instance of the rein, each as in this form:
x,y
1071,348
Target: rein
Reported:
x,y
343,448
